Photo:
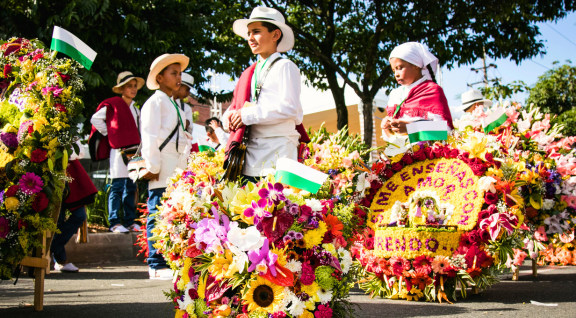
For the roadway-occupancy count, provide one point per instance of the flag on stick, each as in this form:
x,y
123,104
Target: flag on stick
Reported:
x,y
203,145
427,130
494,120
297,175
67,43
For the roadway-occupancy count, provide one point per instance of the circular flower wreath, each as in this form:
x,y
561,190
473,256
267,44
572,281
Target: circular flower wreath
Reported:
x,y
39,117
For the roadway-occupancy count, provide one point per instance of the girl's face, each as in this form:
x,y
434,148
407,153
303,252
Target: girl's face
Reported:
x,y
171,77
130,89
404,72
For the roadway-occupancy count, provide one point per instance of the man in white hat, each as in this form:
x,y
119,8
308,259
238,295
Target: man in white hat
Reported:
x,y
182,96
165,144
115,129
267,96
472,99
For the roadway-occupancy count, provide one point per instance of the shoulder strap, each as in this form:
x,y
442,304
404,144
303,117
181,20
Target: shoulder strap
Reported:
x,y
169,137
259,87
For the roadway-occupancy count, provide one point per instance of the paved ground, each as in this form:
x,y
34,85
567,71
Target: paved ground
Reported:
x,y
123,290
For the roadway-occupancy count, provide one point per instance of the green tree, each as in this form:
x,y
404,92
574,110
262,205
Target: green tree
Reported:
x,y
352,39
129,35
555,90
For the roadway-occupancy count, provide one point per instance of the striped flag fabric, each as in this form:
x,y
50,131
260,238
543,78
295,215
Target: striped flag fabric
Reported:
x,y
300,176
427,130
203,145
494,120
67,43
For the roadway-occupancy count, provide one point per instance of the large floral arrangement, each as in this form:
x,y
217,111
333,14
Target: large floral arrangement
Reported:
x,y
39,114
265,249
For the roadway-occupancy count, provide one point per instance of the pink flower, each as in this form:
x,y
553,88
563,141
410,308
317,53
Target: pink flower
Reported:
x,y
423,264
323,312
30,183
263,260
512,116
519,256
540,234
570,200
499,221
567,238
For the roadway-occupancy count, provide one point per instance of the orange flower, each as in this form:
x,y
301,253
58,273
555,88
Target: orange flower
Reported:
x,y
334,225
421,281
564,257
473,272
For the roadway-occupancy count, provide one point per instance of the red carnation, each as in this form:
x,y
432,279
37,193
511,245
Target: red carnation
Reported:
x,y
40,202
7,70
420,155
61,108
11,191
30,129
490,198
37,57
38,155
407,159
64,77
397,166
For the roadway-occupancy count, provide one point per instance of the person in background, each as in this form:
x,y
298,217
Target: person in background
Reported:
x,y
82,193
116,126
216,135
471,100
180,97
165,145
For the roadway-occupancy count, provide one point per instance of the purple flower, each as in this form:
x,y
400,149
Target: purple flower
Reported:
x,y
258,210
294,209
23,130
313,222
30,183
273,193
4,227
9,139
211,233
2,196
263,260
298,235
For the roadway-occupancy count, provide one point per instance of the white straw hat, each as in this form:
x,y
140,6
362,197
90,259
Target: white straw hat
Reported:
x,y
263,14
471,97
187,79
160,63
124,78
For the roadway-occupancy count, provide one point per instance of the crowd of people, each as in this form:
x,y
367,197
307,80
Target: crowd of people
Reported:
x,y
265,115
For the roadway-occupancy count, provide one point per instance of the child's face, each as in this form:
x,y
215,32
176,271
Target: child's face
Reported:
x,y
171,78
261,40
130,89
182,92
404,72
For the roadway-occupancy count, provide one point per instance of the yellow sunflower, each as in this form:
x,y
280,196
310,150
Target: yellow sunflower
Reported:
x,y
263,295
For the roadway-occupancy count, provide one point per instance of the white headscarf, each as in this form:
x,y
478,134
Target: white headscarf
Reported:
x,y
417,54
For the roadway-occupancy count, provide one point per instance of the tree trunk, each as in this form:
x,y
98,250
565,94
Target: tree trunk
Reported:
x,y
339,100
368,102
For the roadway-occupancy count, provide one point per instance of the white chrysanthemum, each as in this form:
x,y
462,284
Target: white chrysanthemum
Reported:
x,y
287,191
324,295
345,260
183,304
285,300
294,266
297,306
548,204
314,204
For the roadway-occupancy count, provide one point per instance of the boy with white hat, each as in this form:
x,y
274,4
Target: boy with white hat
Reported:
x,y
180,97
115,127
165,145
267,96
472,99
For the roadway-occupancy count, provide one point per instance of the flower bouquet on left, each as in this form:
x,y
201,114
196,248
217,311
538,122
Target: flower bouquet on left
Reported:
x,y
39,117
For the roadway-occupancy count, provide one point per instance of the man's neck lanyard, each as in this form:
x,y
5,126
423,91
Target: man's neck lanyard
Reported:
x,y
178,112
256,78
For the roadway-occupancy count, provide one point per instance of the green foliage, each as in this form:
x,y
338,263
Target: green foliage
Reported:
x,y
498,91
555,91
130,34
568,119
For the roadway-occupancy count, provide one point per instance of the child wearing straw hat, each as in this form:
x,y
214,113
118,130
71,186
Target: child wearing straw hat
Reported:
x,y
165,142
115,127
267,96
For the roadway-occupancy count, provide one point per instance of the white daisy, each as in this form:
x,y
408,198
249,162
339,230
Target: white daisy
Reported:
x,y
294,266
297,307
324,295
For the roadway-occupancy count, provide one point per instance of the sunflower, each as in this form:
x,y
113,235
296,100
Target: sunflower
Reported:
x,y
568,247
263,295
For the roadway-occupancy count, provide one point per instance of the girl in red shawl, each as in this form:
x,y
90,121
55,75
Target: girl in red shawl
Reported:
x,y
418,97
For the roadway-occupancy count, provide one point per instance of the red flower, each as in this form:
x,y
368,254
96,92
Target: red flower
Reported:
x,y
437,152
37,56
423,264
38,155
30,129
421,281
387,173
420,155
40,202
22,223
64,77
407,159
323,312
477,169
7,70
454,153
60,108
11,191
428,152
12,47
488,156
399,264
490,198
397,166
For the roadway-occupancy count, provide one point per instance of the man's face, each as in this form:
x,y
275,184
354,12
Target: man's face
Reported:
x,y
260,39
171,78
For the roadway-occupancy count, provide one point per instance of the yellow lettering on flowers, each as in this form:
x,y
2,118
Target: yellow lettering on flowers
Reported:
x,y
451,179
411,243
